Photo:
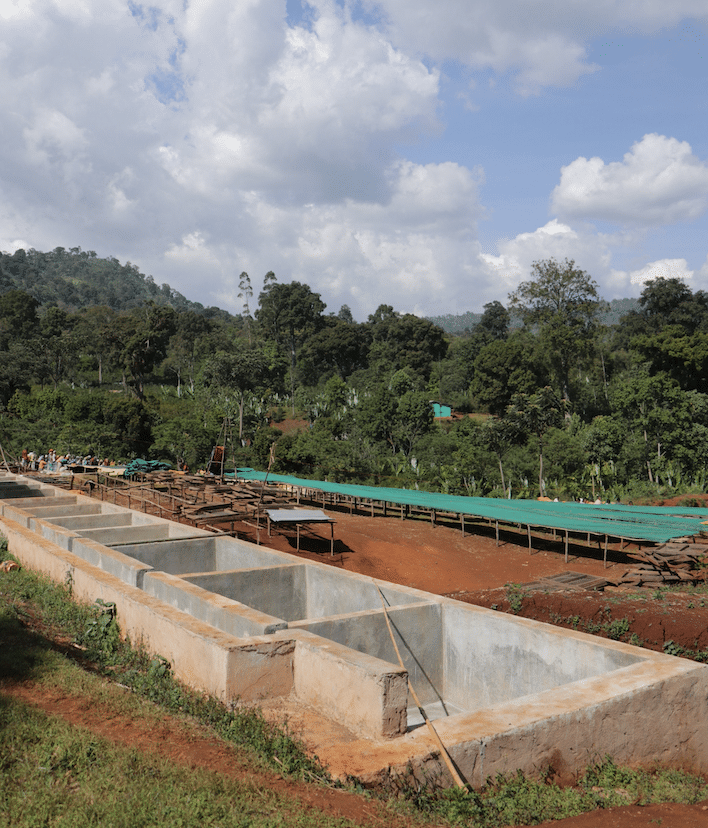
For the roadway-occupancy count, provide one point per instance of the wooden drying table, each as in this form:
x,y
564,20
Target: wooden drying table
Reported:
x,y
300,517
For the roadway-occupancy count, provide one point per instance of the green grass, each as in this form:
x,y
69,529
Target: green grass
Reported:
x,y
514,799
59,775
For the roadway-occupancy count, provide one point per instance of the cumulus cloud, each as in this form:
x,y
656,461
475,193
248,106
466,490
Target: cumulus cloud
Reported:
x,y
414,251
554,240
663,269
591,251
659,181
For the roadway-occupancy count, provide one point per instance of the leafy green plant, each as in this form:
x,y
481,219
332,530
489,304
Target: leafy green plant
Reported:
x,y
617,628
515,596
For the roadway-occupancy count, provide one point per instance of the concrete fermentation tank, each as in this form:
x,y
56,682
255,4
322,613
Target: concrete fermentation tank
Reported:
x,y
246,622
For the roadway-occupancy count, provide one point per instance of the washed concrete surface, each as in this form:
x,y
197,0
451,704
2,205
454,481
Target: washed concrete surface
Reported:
x,y
243,621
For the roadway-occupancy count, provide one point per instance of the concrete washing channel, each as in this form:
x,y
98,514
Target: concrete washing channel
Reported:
x,y
245,622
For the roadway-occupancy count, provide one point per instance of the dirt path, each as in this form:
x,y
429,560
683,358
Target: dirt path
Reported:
x,y
437,559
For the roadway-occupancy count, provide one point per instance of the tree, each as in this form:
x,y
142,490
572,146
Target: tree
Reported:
x,y
232,375
405,341
246,293
535,414
143,338
562,302
494,323
671,302
499,436
290,313
56,343
502,369
93,329
18,317
182,350
345,314
338,346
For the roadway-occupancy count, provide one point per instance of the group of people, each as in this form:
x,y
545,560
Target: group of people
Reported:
x,y
53,463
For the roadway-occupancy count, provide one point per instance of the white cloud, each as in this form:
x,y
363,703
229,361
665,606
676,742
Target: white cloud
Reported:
x,y
202,139
554,240
541,43
412,252
659,181
663,269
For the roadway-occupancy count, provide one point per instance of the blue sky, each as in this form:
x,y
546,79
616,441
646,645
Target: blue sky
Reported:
x,y
382,151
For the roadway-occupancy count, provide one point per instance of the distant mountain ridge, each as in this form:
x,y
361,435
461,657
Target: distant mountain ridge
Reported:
x,y
74,279
459,323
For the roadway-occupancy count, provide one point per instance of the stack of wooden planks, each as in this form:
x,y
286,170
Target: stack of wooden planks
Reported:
x,y
678,561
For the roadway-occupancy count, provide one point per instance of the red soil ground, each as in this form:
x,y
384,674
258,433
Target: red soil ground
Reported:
x,y
438,559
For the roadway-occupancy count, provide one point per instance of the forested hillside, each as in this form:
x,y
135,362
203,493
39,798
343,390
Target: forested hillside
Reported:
x,y
75,279
563,404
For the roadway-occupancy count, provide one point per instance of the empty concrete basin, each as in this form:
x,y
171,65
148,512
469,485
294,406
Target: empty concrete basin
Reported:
x,y
298,591
206,554
51,510
112,536
93,521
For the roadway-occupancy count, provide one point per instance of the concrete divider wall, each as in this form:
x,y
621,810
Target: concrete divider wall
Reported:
x,y
366,694
175,556
330,594
223,613
130,570
204,554
490,657
418,633
233,553
278,591
93,521
154,530
18,515
78,508
52,532
126,534
31,503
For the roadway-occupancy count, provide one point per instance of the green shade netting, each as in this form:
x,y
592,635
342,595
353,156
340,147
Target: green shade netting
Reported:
x,y
144,466
657,524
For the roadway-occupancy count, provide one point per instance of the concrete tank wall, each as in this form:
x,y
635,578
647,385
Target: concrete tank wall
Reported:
x,y
223,613
205,554
330,594
278,591
490,657
92,521
82,508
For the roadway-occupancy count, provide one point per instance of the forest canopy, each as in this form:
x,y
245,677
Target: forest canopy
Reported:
x,y
549,397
